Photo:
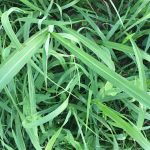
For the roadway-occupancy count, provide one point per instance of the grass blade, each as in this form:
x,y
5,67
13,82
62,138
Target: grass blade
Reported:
x,y
95,48
7,26
46,118
105,72
130,129
51,142
16,61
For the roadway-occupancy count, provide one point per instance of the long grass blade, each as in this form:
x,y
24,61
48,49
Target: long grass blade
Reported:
x,y
105,72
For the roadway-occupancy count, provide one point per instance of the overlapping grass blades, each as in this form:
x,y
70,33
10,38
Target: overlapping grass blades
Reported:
x,y
61,61
121,123
16,61
105,72
23,54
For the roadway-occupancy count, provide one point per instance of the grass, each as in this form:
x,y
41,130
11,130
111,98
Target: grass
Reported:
x,y
74,75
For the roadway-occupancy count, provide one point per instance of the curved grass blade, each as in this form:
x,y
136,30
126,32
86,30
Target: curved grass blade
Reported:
x,y
92,23
7,26
46,118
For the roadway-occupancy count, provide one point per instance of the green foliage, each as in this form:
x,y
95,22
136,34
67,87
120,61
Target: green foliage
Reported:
x,y
74,74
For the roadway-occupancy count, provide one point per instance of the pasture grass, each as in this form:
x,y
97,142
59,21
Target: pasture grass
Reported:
x,y
75,75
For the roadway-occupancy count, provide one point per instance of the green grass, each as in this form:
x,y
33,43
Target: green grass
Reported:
x,y
74,75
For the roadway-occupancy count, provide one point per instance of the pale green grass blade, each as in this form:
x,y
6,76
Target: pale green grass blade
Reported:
x,y
51,142
13,102
140,8
31,89
114,28
45,57
88,108
124,48
148,44
7,146
144,18
18,136
92,23
42,73
48,22
1,130
66,6
70,4
7,26
105,72
140,66
32,6
80,130
20,58
117,12
60,10
16,141
70,139
42,2
143,83
49,117
130,129
34,139
95,48
5,107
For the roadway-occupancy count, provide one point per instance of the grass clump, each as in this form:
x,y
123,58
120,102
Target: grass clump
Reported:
x,y
74,74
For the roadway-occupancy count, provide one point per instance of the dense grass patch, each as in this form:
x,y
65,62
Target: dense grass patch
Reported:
x,y
75,75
